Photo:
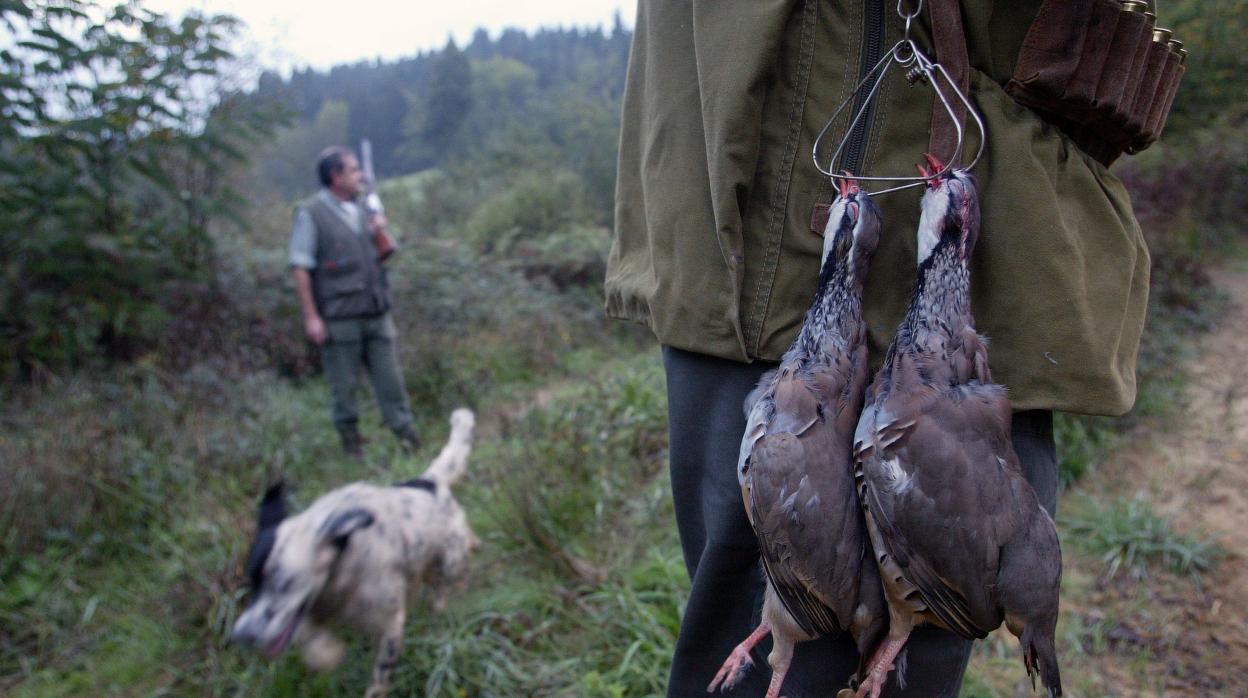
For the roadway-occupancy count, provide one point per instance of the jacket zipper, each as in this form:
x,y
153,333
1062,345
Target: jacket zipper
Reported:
x,y
872,49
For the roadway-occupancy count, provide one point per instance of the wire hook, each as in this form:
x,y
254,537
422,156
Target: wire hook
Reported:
x,y
919,68
908,16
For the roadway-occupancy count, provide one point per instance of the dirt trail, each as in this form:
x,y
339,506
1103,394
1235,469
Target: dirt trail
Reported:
x,y
1208,455
1194,468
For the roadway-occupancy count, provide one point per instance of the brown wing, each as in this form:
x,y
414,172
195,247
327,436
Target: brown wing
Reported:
x,y
802,500
783,503
945,497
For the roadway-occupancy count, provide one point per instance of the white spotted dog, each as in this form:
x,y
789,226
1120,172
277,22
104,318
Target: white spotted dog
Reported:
x,y
354,559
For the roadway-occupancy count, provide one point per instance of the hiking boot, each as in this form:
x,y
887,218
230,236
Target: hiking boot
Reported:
x,y
408,439
352,443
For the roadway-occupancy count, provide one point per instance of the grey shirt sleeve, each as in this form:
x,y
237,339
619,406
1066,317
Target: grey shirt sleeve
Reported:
x,y
303,241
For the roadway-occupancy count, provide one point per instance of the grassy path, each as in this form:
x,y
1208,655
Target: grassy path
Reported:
x,y
1196,471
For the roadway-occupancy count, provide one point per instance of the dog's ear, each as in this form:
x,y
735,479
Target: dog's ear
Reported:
x,y
273,506
258,556
272,512
338,528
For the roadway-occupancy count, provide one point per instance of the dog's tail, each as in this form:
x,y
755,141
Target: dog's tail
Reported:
x,y
450,464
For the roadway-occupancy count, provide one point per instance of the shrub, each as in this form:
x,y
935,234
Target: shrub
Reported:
x,y
533,205
109,185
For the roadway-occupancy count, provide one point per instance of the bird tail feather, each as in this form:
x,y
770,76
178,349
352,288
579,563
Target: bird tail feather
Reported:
x,y
1040,657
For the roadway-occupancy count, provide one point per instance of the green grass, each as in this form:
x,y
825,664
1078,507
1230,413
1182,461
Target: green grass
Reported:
x,y
1083,442
130,587
1130,536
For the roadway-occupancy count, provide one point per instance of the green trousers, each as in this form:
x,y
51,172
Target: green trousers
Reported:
x,y
371,343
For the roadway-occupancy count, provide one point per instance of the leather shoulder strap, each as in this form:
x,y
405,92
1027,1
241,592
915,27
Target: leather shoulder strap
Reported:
x,y
949,39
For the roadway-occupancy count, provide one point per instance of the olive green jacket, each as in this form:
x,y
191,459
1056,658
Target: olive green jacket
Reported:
x,y
713,249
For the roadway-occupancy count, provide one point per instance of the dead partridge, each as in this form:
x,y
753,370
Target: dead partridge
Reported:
x,y
796,467
960,537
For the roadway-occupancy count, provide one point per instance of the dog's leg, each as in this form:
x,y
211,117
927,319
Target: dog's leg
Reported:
x,y
448,574
388,652
457,549
439,596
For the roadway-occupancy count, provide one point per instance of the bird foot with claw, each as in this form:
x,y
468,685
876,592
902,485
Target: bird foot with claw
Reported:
x,y
873,685
881,662
733,669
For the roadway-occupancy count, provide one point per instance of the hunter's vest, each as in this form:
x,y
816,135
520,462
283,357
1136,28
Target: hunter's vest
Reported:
x,y
348,281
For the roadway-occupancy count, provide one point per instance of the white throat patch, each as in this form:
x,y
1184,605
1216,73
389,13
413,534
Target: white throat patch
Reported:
x,y
835,214
934,206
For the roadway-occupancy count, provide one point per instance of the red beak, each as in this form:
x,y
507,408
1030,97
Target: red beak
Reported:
x,y
848,184
937,167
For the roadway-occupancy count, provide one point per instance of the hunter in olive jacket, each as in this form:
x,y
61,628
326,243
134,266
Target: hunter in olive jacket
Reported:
x,y
713,248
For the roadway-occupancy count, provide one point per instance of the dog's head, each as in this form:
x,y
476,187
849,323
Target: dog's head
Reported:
x,y
289,564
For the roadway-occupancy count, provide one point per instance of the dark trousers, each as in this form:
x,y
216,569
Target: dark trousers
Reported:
x,y
706,420
371,343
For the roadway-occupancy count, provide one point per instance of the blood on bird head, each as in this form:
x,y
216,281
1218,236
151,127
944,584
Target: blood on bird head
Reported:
x,y
852,230
950,212
932,173
963,193
846,184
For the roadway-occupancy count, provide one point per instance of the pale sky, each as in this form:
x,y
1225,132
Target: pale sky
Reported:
x,y
287,33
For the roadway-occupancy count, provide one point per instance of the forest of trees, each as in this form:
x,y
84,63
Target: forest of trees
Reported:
x,y
458,101
516,100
